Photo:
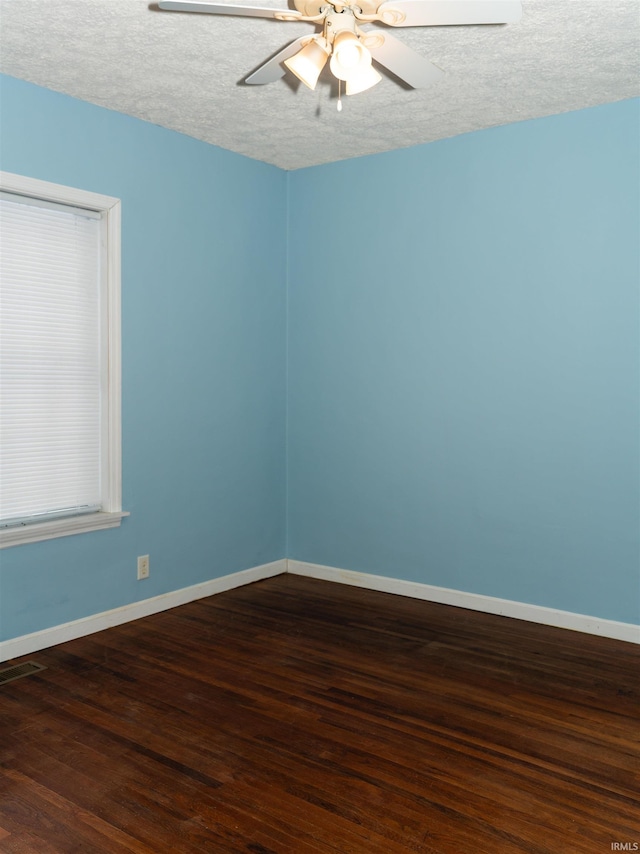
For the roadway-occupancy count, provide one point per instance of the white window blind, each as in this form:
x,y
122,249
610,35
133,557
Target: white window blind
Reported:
x,y
52,382
50,343
60,430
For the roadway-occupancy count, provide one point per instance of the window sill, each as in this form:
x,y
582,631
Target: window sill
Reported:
x,y
59,528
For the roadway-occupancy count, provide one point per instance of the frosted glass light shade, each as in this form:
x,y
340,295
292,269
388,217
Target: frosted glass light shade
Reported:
x,y
309,62
362,81
350,56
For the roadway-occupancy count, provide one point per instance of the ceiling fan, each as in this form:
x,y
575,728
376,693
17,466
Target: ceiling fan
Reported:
x,y
349,49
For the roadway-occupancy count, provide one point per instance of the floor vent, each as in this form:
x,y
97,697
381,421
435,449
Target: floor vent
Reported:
x,y
20,670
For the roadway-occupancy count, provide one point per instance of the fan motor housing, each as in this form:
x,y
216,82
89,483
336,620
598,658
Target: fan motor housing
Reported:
x,y
313,8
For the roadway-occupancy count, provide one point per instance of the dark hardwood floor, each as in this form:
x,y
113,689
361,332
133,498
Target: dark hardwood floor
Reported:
x,y
296,715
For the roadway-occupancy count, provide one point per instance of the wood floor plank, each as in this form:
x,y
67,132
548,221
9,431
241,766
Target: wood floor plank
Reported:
x,y
295,716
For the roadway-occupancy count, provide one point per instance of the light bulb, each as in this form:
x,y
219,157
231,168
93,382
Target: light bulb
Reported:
x,y
349,56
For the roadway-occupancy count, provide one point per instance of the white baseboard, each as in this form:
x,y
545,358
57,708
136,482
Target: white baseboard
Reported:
x,y
26,644
474,601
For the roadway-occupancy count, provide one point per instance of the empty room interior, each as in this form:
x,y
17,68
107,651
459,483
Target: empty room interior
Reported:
x,y
363,572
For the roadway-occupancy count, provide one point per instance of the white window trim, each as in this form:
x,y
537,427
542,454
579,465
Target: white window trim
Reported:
x,y
112,513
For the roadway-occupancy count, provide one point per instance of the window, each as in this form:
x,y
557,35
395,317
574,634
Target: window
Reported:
x,y
60,459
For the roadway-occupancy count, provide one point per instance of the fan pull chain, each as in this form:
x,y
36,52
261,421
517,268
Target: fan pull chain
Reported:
x,y
339,97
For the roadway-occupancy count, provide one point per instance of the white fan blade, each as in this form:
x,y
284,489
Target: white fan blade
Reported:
x,y
403,61
442,13
272,70
226,9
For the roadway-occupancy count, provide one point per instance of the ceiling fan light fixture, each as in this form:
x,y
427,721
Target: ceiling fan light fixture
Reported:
x,y
350,57
309,62
350,48
362,81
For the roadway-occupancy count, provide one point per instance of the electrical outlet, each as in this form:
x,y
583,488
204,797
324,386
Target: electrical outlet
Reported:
x,y
143,567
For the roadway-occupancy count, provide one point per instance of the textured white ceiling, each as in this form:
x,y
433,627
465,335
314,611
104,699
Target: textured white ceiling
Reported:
x,y
185,72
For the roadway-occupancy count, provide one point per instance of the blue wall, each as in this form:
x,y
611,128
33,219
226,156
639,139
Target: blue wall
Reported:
x,y
463,362
464,365
203,326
